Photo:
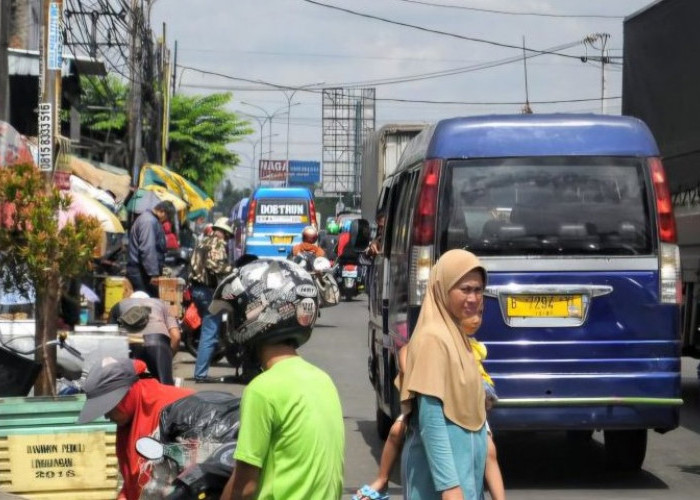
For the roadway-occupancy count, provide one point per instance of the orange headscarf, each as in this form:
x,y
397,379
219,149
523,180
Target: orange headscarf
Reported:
x,y
439,363
143,402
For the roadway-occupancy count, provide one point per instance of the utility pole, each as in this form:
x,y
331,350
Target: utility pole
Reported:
x,y
51,61
603,39
4,68
526,109
289,98
174,68
135,63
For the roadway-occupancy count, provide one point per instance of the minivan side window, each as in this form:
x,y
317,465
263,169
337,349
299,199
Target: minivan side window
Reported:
x,y
403,213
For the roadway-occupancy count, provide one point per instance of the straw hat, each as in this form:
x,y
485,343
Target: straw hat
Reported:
x,y
222,224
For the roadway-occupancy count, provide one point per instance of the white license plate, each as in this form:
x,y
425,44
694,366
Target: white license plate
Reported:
x,y
350,273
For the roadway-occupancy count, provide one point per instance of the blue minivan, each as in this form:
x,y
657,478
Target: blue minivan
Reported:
x,y
275,220
572,217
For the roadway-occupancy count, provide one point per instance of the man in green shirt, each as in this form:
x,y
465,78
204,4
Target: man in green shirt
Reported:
x,y
291,441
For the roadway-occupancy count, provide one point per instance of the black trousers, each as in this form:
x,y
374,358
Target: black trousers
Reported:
x,y
156,353
141,281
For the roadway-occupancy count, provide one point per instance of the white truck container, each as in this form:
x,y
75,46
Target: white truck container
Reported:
x,y
381,151
660,86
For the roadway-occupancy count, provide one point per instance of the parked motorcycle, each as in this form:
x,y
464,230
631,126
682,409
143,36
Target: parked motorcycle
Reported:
x,y
321,271
18,372
191,454
197,481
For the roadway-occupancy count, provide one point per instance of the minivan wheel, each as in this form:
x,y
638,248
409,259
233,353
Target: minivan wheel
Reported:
x,y
625,449
384,424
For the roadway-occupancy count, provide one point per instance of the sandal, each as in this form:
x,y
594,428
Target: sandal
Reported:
x,y
368,493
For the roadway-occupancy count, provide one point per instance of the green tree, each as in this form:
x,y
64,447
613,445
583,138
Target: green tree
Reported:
x,y
201,130
38,252
229,197
103,108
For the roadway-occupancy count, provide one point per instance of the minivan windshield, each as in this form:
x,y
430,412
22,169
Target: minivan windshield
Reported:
x,y
545,205
282,211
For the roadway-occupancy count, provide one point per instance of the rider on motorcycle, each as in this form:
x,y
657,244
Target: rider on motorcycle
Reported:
x,y
309,236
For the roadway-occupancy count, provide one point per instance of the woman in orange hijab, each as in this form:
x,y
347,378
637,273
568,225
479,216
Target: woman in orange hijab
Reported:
x,y
444,455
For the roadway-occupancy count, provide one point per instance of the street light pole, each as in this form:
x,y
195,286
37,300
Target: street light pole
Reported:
x,y
253,163
268,117
289,96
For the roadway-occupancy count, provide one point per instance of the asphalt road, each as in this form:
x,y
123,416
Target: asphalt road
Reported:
x,y
535,465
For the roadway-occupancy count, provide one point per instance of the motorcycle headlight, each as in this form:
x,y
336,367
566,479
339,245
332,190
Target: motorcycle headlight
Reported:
x,y
321,264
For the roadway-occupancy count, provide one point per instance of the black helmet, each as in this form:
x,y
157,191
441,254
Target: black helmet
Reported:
x,y
269,302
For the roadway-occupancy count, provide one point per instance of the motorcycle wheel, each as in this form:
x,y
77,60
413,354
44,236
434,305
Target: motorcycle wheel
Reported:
x,y
348,295
191,341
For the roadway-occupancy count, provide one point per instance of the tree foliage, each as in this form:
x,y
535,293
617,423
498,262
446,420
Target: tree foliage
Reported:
x,y
37,252
201,130
103,107
33,244
229,197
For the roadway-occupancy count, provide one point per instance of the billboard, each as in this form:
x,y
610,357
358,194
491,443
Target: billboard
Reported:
x,y
304,172
273,172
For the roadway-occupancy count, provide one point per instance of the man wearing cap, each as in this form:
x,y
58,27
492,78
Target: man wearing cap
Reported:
x,y
158,340
209,264
122,391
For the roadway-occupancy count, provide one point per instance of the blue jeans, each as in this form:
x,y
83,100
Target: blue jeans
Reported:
x,y
209,332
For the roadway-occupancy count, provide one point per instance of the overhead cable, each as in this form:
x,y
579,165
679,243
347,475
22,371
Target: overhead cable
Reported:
x,y
510,12
438,32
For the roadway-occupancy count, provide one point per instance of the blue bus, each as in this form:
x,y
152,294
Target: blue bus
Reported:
x,y
275,220
571,216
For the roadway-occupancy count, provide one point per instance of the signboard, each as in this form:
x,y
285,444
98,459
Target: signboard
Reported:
x,y
58,462
45,133
281,212
54,58
273,173
273,170
304,172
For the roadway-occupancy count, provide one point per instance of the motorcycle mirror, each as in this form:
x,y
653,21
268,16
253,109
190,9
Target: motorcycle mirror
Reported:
x,y
185,253
150,448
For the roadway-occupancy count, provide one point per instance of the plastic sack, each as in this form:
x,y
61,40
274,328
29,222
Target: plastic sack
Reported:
x,y
191,317
328,290
212,416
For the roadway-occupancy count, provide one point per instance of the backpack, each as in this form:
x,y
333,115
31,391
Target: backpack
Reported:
x,y
135,318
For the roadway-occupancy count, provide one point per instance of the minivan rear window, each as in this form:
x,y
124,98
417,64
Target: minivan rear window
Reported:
x,y
279,211
546,205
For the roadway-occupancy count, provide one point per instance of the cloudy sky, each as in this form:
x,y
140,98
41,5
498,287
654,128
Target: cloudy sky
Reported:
x,y
302,42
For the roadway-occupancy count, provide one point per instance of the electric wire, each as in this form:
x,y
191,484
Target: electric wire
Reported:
x,y
420,101
435,31
511,13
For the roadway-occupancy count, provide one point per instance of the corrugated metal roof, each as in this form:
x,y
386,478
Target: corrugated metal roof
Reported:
x,y
26,62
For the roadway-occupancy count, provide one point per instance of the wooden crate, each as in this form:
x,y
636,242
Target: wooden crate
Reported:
x,y
171,289
175,308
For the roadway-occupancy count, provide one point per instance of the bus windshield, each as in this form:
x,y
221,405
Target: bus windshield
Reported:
x,y
546,205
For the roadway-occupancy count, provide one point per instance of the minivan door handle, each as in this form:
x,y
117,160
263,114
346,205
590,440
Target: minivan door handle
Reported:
x,y
571,313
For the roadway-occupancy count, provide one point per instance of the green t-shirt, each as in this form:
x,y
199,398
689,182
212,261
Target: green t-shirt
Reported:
x,y
292,428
